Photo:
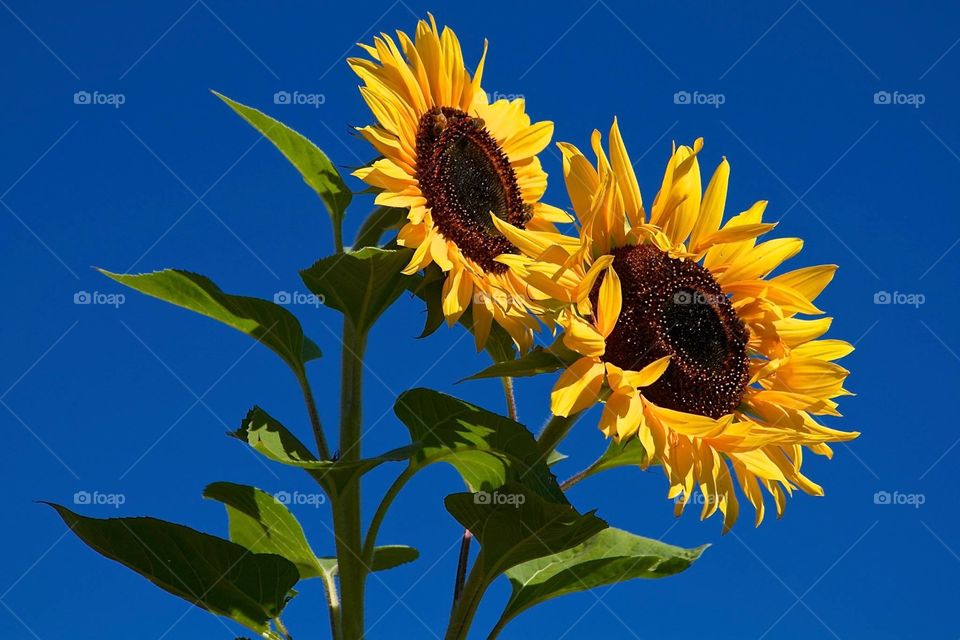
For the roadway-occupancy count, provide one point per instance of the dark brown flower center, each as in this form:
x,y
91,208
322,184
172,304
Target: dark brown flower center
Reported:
x,y
674,307
464,176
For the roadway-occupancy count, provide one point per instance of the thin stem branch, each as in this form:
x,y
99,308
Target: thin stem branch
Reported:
x,y
577,477
333,605
371,539
510,398
318,435
281,628
461,568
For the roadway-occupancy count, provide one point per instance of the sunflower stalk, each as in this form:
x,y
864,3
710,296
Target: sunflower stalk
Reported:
x,y
351,561
466,606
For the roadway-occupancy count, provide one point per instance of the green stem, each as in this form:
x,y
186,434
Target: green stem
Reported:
x,y
333,605
281,628
318,435
554,431
338,237
500,626
510,397
374,528
462,561
466,607
577,477
346,506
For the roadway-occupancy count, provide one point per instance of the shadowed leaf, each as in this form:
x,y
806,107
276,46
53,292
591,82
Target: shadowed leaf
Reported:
x,y
214,574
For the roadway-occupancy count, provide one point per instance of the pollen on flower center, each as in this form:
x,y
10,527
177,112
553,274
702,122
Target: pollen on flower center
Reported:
x,y
673,306
464,176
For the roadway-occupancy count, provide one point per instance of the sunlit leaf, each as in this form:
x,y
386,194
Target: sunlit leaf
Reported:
x,y
262,320
312,163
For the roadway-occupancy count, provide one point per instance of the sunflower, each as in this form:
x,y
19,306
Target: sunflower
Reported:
x,y
452,158
694,349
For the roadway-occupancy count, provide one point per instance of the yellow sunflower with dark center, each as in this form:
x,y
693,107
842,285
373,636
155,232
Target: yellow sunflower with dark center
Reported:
x,y
453,158
694,348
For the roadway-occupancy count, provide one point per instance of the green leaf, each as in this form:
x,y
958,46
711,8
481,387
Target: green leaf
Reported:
x,y
212,573
629,453
393,555
310,161
382,219
555,456
515,525
360,284
539,360
485,448
608,557
264,321
272,439
259,522
385,557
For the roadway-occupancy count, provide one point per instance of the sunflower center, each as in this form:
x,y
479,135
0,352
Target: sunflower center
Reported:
x,y
675,307
464,176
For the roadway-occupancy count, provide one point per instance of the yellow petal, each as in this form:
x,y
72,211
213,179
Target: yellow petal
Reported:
x,y
761,260
823,349
622,416
529,141
626,178
609,302
711,209
810,281
578,387
580,177
649,374
581,336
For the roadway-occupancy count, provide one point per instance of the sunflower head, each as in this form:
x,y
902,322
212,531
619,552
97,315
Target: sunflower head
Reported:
x,y
686,337
457,162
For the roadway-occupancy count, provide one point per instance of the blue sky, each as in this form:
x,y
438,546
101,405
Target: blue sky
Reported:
x,y
134,399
